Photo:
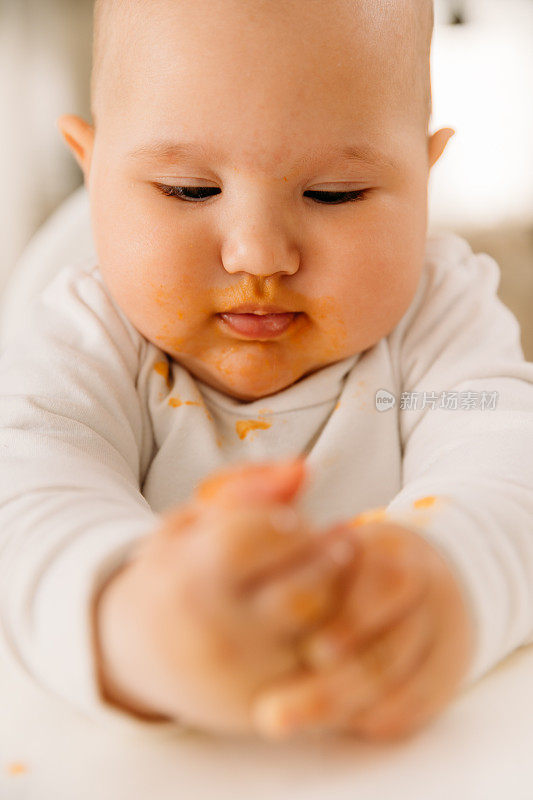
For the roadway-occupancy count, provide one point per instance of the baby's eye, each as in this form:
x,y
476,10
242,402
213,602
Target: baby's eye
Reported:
x,y
331,198
189,193
199,193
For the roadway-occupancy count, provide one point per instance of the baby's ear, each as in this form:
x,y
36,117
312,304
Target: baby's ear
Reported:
x,y
79,136
437,144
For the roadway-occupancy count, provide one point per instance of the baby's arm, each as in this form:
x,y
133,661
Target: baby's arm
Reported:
x,y
467,498
476,464
74,442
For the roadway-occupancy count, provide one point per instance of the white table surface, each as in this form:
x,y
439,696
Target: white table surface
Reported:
x,y
481,748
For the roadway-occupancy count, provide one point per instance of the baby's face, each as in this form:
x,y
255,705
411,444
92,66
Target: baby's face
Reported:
x,y
219,177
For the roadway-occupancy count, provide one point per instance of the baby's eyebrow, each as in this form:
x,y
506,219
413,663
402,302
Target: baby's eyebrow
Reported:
x,y
170,152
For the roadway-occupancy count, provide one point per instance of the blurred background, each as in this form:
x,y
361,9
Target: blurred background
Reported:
x,y
482,69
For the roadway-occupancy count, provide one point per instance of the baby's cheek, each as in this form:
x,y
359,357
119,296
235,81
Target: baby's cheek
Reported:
x,y
380,300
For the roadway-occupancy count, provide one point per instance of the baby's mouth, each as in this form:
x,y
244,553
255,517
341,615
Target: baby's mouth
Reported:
x,y
262,323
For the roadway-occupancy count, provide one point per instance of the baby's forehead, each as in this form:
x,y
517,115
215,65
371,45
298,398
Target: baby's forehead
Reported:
x,y
396,33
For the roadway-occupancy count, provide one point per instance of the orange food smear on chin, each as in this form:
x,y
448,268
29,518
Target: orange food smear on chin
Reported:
x,y
235,359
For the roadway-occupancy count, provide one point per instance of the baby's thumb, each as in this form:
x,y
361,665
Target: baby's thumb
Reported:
x,y
271,481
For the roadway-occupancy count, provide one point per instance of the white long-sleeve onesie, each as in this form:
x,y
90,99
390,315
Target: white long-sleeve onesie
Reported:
x,y
100,432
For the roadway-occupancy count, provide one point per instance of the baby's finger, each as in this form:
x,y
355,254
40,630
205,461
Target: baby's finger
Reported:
x,y
305,593
275,481
409,705
243,546
382,592
326,700
403,709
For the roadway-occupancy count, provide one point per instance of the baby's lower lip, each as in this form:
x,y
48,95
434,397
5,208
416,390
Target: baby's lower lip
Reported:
x,y
264,326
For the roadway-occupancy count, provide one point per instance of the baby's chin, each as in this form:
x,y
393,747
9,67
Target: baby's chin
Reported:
x,y
249,388
248,393
247,376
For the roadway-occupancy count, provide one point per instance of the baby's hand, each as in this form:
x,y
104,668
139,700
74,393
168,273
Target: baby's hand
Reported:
x,y
394,655
211,609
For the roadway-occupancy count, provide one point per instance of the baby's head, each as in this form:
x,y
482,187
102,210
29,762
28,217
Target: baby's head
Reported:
x,y
297,131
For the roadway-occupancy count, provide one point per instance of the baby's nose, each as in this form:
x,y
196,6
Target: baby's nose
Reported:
x,y
260,248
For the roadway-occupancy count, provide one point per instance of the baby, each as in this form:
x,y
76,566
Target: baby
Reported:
x,y
268,467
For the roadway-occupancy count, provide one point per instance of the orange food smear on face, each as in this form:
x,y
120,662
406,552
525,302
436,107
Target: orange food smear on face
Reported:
x,y
174,402
372,515
165,299
17,768
424,502
244,426
230,361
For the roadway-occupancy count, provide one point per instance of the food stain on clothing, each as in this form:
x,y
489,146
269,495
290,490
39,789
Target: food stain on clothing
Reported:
x,y
175,402
162,368
16,768
361,395
425,502
244,426
372,515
